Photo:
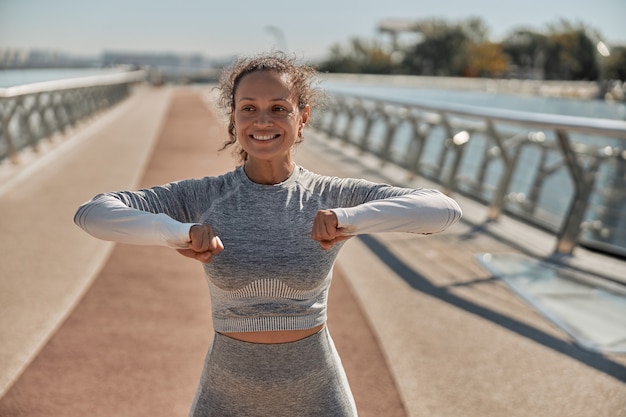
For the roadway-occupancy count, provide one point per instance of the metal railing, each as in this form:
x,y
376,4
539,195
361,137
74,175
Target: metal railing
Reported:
x,y
563,174
36,111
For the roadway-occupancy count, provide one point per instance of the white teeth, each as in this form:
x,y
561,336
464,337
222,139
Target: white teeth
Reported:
x,y
263,137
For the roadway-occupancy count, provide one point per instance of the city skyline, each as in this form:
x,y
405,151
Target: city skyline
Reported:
x,y
197,27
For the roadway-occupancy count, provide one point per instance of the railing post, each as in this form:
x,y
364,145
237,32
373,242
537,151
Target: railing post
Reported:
x,y
419,137
332,125
6,120
612,209
497,203
369,121
345,135
379,108
392,125
459,142
444,151
567,237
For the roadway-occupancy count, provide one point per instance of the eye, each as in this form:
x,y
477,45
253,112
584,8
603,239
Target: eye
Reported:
x,y
247,108
279,109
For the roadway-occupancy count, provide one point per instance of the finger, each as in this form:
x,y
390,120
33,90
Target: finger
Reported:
x,y
207,238
327,244
203,239
330,228
324,225
327,231
216,246
204,257
196,236
315,229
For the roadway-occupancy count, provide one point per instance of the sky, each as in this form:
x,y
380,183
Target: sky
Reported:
x,y
221,28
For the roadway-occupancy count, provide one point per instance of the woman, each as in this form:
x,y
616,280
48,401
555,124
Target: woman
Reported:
x,y
267,234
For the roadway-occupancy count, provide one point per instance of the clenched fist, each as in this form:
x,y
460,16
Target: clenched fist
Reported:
x,y
326,229
203,244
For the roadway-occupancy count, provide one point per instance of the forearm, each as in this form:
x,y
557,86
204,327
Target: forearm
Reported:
x,y
109,219
425,212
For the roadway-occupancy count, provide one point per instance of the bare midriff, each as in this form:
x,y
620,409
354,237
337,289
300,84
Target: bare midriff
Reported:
x,y
282,336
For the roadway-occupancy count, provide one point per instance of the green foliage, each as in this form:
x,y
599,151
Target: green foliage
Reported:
x,y
564,51
570,53
441,53
616,64
360,57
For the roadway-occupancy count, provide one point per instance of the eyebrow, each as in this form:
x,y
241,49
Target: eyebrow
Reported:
x,y
273,99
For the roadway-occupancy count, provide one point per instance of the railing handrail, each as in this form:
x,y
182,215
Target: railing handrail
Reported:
x,y
596,126
70,83
31,112
459,122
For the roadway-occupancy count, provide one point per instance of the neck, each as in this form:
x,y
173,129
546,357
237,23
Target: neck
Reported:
x,y
268,173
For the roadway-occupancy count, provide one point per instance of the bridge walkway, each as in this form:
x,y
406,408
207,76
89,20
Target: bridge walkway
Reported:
x,y
93,327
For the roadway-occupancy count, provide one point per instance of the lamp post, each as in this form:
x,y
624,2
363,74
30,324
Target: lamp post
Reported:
x,y
600,52
279,36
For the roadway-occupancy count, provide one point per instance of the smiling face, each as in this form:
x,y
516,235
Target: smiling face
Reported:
x,y
266,117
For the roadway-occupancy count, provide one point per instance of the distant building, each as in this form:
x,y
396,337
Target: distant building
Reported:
x,y
145,59
167,67
13,58
162,67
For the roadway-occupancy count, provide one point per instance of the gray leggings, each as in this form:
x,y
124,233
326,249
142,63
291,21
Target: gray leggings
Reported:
x,y
297,379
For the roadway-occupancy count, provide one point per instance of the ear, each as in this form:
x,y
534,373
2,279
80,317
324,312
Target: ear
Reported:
x,y
305,114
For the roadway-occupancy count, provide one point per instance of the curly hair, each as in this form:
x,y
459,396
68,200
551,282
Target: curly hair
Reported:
x,y
301,78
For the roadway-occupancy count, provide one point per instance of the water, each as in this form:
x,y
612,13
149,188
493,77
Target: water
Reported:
x,y
12,78
570,107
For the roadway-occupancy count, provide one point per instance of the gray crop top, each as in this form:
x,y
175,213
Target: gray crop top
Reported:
x,y
271,274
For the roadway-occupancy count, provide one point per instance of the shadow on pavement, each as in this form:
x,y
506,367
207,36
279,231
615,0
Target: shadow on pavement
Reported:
x,y
420,283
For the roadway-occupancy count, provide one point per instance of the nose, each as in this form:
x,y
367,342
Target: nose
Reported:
x,y
263,118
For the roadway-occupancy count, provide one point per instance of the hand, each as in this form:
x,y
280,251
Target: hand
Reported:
x,y
325,229
203,244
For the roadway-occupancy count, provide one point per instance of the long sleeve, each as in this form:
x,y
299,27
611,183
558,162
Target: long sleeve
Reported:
x,y
108,218
423,211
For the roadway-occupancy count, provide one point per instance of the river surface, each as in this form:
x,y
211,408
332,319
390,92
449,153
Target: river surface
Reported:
x,y
563,106
12,78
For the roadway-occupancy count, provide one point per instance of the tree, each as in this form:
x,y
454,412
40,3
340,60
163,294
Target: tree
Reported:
x,y
616,64
360,57
455,49
442,51
475,29
571,55
485,60
526,51
565,51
